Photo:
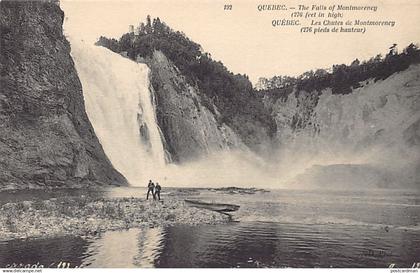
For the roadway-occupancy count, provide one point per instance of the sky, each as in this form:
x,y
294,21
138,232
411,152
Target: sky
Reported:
x,y
244,38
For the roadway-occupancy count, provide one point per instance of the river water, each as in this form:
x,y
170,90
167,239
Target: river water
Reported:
x,y
281,228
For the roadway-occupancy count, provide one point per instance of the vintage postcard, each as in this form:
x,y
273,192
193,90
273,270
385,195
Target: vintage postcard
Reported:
x,y
210,134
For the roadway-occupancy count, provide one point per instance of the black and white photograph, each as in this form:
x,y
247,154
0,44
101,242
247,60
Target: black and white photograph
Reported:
x,y
209,134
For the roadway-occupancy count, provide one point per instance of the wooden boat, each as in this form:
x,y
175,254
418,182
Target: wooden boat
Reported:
x,y
212,206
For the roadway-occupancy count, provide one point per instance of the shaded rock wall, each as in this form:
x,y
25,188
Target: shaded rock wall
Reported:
x,y
46,138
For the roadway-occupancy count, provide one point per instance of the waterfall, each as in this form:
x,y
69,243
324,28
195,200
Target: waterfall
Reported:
x,y
121,109
120,104
364,139
362,135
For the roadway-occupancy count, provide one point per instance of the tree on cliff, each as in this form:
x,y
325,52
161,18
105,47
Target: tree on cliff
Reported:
x,y
112,44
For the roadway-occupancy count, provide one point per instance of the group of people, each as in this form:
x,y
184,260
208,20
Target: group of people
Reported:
x,y
154,189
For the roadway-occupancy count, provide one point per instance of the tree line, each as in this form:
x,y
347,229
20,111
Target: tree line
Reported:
x,y
342,79
233,94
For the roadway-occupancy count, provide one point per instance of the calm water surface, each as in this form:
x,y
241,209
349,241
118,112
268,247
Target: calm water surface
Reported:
x,y
283,228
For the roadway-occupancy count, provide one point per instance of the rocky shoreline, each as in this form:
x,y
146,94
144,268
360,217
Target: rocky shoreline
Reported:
x,y
85,216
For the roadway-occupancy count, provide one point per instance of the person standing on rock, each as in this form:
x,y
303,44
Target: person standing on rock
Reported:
x,y
157,190
150,189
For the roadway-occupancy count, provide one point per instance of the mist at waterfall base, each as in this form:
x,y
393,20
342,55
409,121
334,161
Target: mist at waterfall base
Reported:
x,y
121,109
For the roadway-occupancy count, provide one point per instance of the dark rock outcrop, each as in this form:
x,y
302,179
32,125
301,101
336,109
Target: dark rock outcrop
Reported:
x,y
46,139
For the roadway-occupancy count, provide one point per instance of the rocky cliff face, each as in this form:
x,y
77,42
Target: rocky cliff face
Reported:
x,y
375,129
201,107
190,130
46,138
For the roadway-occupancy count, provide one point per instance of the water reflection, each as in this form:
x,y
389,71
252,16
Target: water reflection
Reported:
x,y
263,244
150,244
246,244
139,247
47,252
112,249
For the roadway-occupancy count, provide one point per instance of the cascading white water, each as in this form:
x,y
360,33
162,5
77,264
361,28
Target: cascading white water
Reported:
x,y
376,124
121,110
364,132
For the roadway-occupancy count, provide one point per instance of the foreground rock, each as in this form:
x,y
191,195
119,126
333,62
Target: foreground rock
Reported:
x,y
86,216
